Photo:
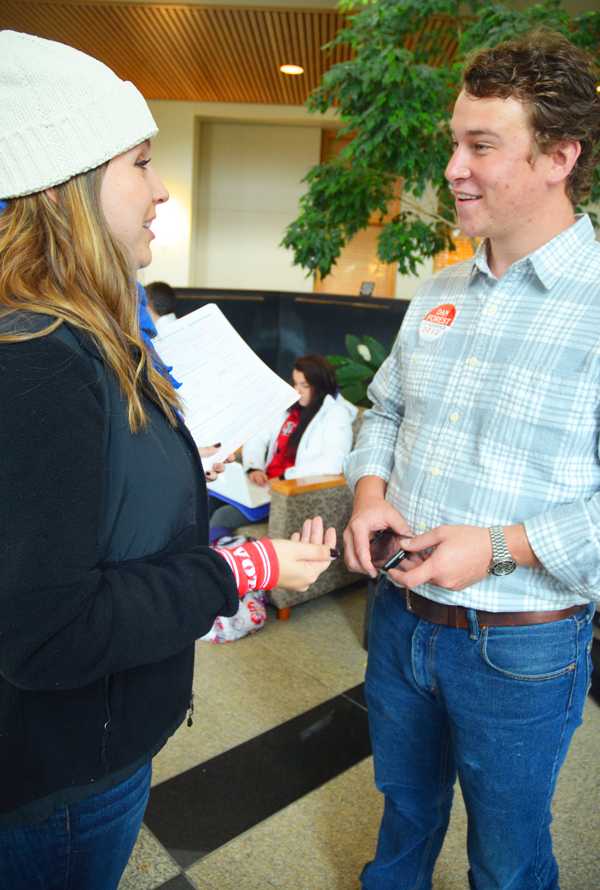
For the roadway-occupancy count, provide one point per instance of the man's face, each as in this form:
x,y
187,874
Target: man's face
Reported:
x,y
497,177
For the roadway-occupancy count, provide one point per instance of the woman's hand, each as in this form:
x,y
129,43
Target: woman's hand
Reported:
x,y
259,477
214,471
306,555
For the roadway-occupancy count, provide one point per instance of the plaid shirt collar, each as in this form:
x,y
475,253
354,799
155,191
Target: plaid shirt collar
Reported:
x,y
551,261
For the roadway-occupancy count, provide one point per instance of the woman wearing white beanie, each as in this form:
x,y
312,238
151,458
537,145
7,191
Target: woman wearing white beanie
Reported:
x,y
106,579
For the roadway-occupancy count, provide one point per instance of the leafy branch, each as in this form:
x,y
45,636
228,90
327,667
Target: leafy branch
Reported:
x,y
394,99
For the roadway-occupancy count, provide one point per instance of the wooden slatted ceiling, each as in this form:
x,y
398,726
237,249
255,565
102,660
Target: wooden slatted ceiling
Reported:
x,y
205,54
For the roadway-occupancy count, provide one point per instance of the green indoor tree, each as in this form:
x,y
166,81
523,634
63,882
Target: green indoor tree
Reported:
x,y
394,98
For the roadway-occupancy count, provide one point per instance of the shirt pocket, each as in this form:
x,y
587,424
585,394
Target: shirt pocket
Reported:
x,y
420,373
550,409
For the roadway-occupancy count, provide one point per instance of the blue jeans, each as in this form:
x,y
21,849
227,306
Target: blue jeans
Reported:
x,y
496,707
84,846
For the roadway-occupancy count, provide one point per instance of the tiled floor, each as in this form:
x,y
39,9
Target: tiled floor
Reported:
x,y
273,788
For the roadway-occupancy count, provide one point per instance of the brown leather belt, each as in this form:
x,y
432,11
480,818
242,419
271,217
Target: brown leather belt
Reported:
x,y
456,616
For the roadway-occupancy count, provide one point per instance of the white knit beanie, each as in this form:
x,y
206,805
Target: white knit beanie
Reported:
x,y
61,113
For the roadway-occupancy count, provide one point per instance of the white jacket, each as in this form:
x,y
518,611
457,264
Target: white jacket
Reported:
x,y
326,441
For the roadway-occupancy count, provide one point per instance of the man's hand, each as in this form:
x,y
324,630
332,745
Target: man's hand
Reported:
x,y
371,513
259,477
461,556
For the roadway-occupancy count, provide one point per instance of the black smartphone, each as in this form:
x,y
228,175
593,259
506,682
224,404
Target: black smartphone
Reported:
x,y
386,552
394,560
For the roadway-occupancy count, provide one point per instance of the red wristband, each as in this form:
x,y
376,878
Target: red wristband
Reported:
x,y
254,564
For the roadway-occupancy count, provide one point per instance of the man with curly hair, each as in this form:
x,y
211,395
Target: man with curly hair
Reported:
x,y
481,453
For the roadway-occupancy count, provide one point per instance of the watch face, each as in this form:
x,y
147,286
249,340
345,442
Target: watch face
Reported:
x,y
505,567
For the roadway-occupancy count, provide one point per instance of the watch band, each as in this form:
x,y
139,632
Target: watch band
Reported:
x,y
503,563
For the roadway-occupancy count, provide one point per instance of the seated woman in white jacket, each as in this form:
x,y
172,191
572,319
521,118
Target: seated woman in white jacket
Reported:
x,y
311,438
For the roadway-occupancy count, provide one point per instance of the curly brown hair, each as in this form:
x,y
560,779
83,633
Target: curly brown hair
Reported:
x,y
556,81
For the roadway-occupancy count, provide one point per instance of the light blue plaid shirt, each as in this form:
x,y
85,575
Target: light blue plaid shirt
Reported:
x,y
487,412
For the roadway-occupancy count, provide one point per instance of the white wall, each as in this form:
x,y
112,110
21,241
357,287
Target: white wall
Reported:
x,y
173,158
248,189
280,143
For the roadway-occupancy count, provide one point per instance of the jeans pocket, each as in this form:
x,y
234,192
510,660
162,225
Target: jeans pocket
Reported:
x,y
533,652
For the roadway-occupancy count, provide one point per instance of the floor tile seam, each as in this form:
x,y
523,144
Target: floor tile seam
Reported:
x,y
274,650
354,702
332,692
194,886
301,672
239,744
208,885
255,734
315,678
164,849
263,823
205,885
268,729
275,815
290,661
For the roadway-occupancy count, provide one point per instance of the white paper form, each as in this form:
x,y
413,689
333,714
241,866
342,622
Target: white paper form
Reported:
x,y
228,392
235,484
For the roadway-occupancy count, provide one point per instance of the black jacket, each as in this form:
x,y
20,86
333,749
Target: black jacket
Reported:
x,y
106,579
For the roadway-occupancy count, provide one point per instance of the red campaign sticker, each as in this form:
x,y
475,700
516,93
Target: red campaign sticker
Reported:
x,y
437,321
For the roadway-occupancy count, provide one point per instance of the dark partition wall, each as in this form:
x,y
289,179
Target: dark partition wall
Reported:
x,y
280,326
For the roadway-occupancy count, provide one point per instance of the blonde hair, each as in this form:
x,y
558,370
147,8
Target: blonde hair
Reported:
x,y
58,258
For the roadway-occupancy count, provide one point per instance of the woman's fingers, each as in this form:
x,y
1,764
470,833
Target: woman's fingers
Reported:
x,y
306,531
316,531
331,538
313,552
312,531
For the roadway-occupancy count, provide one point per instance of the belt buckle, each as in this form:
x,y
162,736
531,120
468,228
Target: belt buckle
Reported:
x,y
409,606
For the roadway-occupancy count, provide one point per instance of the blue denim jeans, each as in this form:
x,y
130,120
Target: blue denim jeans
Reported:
x,y
84,846
496,707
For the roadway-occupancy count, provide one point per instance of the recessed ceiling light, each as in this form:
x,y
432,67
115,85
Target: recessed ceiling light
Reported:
x,y
291,69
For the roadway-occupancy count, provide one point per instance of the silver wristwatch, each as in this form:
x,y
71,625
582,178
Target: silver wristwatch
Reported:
x,y
502,562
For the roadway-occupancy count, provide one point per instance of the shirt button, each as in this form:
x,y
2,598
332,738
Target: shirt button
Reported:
x,y
491,309
435,471
472,361
454,417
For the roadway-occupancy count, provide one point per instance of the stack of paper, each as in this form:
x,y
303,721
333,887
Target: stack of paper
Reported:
x,y
229,394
